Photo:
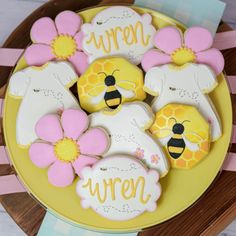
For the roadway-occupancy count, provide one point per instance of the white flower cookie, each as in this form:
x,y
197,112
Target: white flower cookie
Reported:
x,y
188,84
127,127
43,90
118,31
119,188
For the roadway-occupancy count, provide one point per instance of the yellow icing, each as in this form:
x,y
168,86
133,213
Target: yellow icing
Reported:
x,y
63,46
66,150
92,83
127,185
182,56
132,34
191,183
197,131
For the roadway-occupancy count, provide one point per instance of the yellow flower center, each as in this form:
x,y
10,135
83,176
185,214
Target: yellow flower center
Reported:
x,y
63,46
182,56
66,150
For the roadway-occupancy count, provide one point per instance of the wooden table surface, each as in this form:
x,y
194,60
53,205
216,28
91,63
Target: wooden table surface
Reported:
x,y
208,216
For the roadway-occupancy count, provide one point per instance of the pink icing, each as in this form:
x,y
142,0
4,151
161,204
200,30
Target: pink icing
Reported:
x,y
74,123
82,162
153,58
80,61
93,142
60,174
68,22
198,39
47,30
168,39
38,54
42,154
213,58
49,129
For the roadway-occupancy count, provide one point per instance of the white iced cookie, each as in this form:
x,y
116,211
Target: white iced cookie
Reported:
x,y
43,90
189,85
127,127
118,31
119,188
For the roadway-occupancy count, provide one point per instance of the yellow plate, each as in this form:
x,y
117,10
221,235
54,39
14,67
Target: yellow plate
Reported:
x,y
180,188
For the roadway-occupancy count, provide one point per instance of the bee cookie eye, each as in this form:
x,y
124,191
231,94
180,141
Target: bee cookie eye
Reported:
x,y
172,88
99,23
36,90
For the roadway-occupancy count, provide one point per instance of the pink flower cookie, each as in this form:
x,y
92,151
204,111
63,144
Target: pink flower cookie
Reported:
x,y
66,145
173,47
59,40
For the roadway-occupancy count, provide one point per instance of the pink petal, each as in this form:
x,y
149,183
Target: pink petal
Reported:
x,y
38,54
48,128
61,174
74,122
79,40
68,22
154,58
82,162
198,39
80,62
93,142
168,39
43,31
213,58
42,154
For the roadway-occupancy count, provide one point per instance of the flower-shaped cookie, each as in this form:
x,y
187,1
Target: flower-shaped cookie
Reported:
x,y
174,47
59,40
66,145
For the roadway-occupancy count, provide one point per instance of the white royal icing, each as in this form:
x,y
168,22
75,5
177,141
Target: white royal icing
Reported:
x,y
119,188
127,126
187,85
43,90
118,31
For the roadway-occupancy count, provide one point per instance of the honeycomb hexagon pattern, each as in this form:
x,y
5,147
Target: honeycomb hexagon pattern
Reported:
x,y
184,133
109,82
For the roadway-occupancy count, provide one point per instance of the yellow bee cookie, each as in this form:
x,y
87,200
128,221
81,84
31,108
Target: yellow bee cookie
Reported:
x,y
108,82
184,133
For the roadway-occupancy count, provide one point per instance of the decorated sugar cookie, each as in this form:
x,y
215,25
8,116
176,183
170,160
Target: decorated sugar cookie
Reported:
x,y
59,40
184,133
119,188
43,90
187,84
127,127
109,82
192,47
66,145
118,31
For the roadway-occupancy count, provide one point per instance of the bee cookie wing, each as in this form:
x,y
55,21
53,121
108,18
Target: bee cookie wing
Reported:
x,y
124,92
165,140
190,145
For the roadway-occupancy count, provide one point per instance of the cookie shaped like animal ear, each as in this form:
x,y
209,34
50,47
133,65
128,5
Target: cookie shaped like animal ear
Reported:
x,y
64,73
19,83
146,18
205,78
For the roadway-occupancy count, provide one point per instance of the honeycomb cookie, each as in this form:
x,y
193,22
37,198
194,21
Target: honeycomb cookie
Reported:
x,y
184,133
109,82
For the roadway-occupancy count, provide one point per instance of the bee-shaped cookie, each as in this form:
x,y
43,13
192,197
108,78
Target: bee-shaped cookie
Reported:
x,y
184,133
107,83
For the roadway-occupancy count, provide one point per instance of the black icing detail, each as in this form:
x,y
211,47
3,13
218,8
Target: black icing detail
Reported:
x,y
178,128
